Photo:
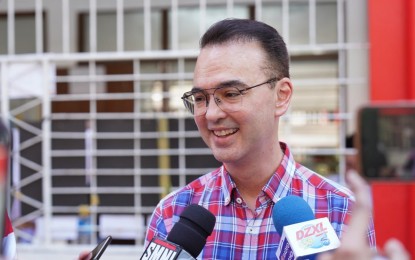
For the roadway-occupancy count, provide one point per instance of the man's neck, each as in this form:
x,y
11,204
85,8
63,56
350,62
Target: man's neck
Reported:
x,y
251,177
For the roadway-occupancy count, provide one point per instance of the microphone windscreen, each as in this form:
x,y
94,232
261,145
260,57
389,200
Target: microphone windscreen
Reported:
x,y
195,224
290,210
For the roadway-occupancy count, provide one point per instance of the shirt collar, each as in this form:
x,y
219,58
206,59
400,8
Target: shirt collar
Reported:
x,y
280,182
227,185
277,186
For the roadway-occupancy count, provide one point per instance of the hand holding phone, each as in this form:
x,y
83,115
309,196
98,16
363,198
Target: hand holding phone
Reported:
x,y
97,252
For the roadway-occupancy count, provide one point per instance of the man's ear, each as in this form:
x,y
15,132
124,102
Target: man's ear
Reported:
x,y
284,92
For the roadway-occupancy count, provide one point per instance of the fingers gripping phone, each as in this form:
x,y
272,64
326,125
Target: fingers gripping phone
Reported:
x,y
100,248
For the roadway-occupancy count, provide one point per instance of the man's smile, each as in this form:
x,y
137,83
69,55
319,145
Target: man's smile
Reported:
x,y
225,132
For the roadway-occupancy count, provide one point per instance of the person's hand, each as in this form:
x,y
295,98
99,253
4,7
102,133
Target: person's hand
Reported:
x,y
354,244
86,255
394,250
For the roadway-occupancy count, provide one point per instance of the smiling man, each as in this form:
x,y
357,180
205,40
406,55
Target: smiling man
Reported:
x,y
241,89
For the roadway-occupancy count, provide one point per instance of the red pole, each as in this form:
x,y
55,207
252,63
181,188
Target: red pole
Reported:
x,y
387,36
392,78
411,48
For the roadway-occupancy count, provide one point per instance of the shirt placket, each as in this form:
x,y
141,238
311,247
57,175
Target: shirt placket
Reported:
x,y
252,231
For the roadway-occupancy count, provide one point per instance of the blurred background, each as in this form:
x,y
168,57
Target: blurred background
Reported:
x,y
90,92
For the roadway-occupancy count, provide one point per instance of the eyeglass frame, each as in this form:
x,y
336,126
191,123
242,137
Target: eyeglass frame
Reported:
x,y
241,91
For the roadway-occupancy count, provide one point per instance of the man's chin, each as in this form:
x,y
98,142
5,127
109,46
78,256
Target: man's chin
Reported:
x,y
224,157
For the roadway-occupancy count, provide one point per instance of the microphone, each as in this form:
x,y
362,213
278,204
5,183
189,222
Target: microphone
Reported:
x,y
302,236
187,237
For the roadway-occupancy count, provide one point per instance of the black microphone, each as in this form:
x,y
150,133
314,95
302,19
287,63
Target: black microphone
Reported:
x,y
302,236
186,239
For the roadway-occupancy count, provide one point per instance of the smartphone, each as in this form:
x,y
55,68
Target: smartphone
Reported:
x,y
386,141
100,248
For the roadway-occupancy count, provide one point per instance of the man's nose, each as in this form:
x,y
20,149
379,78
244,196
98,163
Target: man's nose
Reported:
x,y
212,107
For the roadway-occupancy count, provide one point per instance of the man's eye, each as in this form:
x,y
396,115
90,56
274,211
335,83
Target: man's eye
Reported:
x,y
231,93
199,97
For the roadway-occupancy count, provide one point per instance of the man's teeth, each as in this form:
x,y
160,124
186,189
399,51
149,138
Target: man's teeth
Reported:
x,y
225,132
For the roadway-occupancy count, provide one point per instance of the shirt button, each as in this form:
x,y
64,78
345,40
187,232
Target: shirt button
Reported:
x,y
238,200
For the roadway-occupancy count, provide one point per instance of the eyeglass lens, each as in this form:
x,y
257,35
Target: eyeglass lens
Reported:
x,y
229,99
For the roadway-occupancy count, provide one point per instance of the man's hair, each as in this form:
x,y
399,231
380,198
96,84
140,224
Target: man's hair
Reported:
x,y
244,30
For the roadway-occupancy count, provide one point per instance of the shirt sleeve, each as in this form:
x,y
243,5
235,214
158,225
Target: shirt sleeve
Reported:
x,y
371,234
156,226
342,210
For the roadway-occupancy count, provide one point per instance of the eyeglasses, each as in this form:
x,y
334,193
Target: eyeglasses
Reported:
x,y
227,97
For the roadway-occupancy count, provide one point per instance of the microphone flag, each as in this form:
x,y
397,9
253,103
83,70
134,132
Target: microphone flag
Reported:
x,y
305,240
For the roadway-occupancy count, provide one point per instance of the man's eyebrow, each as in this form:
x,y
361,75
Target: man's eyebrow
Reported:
x,y
229,83
232,83
195,88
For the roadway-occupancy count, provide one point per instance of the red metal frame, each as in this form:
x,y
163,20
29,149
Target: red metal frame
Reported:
x,y
392,78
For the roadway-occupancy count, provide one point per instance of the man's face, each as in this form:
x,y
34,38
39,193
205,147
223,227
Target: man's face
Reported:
x,y
249,133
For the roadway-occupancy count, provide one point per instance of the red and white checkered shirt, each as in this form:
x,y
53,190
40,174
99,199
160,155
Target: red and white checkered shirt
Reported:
x,y
240,233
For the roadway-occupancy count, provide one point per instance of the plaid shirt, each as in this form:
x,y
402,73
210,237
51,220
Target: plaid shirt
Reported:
x,y
239,232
